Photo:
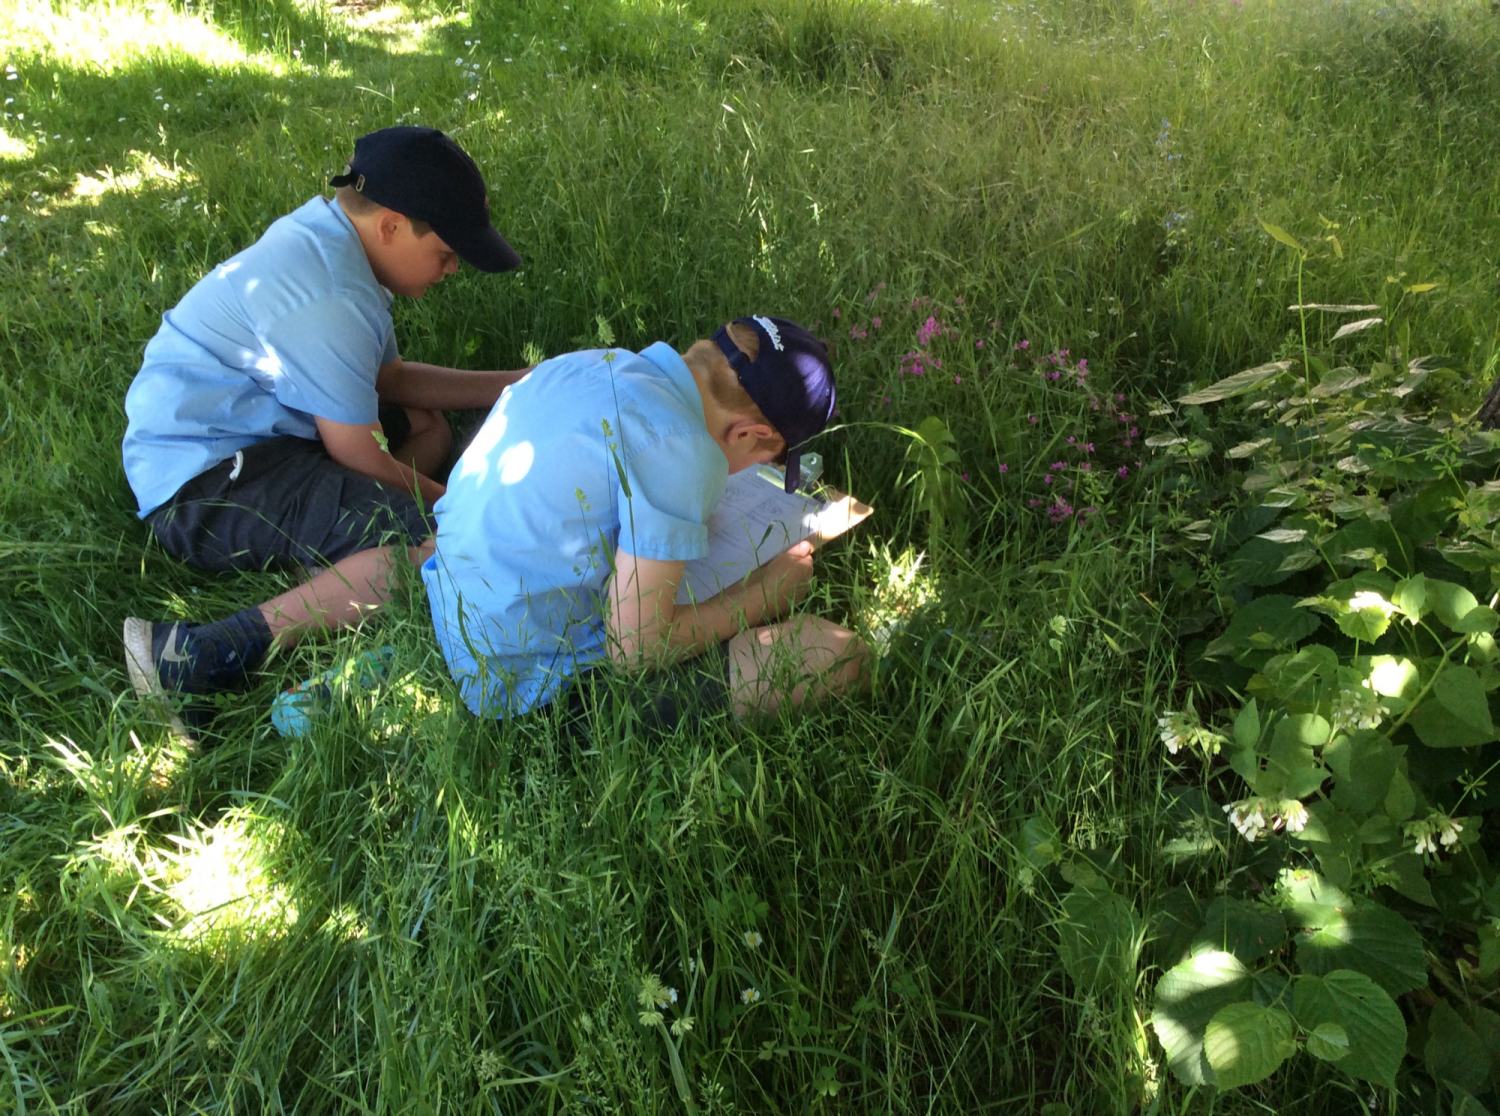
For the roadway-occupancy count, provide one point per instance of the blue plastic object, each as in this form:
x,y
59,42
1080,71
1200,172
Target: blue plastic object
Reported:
x,y
293,711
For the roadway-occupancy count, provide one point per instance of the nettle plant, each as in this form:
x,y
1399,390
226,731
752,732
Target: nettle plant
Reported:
x,y
1359,564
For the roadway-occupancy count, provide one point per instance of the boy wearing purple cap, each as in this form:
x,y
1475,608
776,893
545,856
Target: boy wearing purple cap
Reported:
x,y
273,421
562,537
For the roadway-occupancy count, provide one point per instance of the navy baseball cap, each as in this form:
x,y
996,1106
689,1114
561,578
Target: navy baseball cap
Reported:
x,y
790,379
423,175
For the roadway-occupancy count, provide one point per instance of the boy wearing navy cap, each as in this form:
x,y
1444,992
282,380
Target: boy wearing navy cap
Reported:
x,y
273,421
562,537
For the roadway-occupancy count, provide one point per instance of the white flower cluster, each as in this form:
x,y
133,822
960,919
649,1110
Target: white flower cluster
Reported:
x,y
1253,816
1358,709
1434,830
1181,730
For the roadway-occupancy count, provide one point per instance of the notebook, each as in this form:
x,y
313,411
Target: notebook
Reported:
x,y
756,521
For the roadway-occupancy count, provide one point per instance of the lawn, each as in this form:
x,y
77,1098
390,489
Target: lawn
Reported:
x,y
1026,225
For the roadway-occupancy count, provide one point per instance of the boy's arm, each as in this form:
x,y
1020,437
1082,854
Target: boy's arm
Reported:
x,y
354,446
647,627
430,386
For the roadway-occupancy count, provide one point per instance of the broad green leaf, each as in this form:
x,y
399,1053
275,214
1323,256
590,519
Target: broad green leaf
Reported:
x,y
1365,624
1410,596
1373,1023
1238,384
1456,713
1244,1043
1411,879
1258,563
1248,930
1400,801
1454,1054
1097,939
1305,676
1041,843
1364,763
1296,736
1451,602
1247,725
1187,998
1273,619
1311,898
1480,619
1328,1041
1280,234
1372,940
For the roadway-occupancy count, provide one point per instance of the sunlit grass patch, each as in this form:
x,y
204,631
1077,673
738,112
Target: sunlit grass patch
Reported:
x,y
223,883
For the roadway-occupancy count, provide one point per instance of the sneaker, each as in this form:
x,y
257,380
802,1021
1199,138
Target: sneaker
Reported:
x,y
165,662
293,711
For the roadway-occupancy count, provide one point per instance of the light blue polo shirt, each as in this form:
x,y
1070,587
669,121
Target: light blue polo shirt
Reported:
x,y
590,452
292,329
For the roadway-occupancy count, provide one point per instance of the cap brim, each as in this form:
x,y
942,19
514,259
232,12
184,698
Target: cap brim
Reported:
x,y
482,248
793,470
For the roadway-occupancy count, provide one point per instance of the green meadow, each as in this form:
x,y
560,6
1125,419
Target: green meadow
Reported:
x,y
1025,225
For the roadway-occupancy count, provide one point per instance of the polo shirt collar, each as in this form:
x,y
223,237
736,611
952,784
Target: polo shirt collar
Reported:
x,y
681,378
336,211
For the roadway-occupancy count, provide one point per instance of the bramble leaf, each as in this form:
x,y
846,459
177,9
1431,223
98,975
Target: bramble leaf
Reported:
x,y
1371,1021
1187,999
1244,1043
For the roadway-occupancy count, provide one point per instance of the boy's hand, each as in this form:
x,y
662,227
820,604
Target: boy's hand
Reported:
x,y
784,580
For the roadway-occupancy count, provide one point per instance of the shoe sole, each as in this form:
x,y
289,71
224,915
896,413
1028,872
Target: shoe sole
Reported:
x,y
143,676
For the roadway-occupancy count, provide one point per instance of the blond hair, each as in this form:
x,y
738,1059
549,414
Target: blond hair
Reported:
x,y
706,359
355,204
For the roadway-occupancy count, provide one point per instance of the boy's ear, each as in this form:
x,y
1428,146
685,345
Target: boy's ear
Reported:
x,y
388,224
742,428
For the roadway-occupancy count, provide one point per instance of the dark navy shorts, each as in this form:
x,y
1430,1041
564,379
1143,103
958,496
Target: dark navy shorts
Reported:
x,y
285,502
682,696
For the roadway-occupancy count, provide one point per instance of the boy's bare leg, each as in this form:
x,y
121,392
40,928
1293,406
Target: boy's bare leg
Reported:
x,y
340,595
804,661
426,447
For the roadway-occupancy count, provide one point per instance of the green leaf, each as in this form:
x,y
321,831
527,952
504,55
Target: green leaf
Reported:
x,y
1247,726
1279,233
1373,1023
1411,880
1041,843
1245,1043
1247,930
1482,618
1400,800
1097,938
1311,898
1364,763
1451,602
1372,940
1410,596
1305,676
1365,624
1454,1054
1238,384
1328,1041
1456,713
1187,999
1273,620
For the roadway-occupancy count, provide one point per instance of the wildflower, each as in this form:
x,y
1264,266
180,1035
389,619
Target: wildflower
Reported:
x,y
1083,466
671,996
749,996
1451,830
1175,730
1248,817
1088,447
1047,479
958,379
1004,468
837,313
875,322
1071,440
964,477
979,344
1058,465
1123,471
752,938
682,1026
1031,418
1358,708
1293,814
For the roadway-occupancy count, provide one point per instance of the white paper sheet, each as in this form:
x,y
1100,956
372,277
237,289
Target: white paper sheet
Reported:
x,y
754,522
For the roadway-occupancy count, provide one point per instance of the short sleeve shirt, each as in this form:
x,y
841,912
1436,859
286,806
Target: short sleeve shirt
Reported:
x,y
292,329
591,452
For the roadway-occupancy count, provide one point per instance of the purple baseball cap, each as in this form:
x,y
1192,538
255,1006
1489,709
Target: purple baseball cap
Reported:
x,y
423,175
791,381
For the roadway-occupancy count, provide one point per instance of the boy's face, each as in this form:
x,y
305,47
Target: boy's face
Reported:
x,y
407,263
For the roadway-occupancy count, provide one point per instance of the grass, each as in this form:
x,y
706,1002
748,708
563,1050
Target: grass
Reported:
x,y
413,911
